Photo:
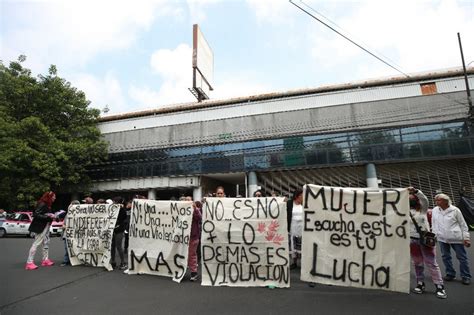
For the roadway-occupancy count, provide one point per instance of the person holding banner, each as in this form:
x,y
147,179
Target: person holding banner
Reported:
x,y
296,227
422,255
117,237
220,193
452,232
66,260
42,218
194,238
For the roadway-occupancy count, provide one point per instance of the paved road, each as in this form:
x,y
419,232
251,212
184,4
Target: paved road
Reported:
x,y
87,290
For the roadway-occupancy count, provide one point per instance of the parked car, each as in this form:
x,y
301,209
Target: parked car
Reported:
x,y
56,227
17,224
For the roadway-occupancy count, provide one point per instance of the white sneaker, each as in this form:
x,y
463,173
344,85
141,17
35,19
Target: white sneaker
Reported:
x,y
440,292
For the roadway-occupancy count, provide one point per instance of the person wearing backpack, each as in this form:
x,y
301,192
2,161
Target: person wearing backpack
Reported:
x,y
421,254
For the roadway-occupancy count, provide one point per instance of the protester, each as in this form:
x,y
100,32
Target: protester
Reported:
x,y
194,239
295,222
452,232
66,261
88,200
3,214
128,213
42,218
422,255
117,237
258,194
220,193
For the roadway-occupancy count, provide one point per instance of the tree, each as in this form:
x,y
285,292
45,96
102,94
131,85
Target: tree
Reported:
x,y
48,136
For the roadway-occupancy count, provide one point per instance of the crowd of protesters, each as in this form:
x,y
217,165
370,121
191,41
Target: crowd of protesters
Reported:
x,y
446,222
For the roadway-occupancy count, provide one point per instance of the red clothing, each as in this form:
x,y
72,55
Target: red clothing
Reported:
x,y
196,224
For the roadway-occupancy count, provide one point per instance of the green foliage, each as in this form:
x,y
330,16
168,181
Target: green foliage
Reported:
x,y
48,136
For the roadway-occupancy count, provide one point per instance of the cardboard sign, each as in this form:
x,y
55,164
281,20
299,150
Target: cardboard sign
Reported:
x,y
356,237
159,237
89,230
245,242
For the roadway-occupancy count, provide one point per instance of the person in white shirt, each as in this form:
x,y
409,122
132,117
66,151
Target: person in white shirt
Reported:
x,y
296,227
452,232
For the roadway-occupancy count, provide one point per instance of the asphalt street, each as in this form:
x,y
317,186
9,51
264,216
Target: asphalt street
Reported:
x,y
88,290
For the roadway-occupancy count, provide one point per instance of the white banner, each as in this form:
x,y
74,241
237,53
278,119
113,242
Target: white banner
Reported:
x,y
245,242
159,237
356,237
89,230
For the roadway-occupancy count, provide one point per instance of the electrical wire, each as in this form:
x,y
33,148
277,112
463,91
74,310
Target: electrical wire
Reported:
x,y
347,38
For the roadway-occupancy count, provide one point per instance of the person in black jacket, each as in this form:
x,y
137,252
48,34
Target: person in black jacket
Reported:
x,y
117,238
42,218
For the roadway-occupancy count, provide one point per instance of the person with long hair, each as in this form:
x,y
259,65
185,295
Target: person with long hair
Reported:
x,y
42,218
422,255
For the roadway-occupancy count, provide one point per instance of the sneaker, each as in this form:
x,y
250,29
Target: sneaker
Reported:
x,y
466,281
440,292
31,266
123,266
449,278
420,287
63,264
126,271
194,276
47,263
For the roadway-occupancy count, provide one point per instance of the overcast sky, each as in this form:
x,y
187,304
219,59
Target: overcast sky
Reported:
x,y
134,55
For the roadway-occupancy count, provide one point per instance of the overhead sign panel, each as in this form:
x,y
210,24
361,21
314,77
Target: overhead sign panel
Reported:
x,y
203,57
203,66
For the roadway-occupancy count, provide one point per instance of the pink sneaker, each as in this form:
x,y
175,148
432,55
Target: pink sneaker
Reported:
x,y
31,266
47,263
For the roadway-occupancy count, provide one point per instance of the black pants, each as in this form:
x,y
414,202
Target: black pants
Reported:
x,y
117,243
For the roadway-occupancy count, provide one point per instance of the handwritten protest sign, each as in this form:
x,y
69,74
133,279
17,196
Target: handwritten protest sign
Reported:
x,y
89,230
356,237
245,242
159,237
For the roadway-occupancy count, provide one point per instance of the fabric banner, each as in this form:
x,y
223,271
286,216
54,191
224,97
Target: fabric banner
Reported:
x,y
356,237
89,230
245,242
159,237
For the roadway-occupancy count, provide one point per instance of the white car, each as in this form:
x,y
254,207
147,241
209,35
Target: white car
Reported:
x,y
17,224
56,228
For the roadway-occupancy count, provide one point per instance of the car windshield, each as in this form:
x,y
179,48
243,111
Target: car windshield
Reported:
x,y
19,217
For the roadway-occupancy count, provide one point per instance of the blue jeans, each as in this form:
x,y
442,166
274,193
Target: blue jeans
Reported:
x,y
66,255
461,255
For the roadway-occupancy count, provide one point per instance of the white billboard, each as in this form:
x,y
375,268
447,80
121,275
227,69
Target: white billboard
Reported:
x,y
203,58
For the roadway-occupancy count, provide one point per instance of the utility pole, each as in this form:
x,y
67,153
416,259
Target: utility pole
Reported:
x,y
468,90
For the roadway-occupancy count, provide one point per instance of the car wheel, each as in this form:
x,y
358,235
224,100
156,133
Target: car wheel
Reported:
x,y
3,232
31,234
